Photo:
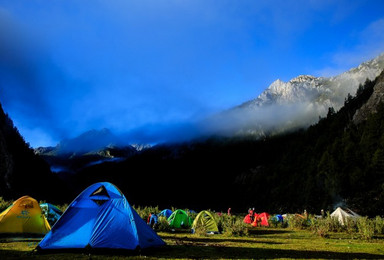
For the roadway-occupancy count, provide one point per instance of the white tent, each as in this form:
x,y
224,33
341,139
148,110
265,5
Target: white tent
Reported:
x,y
342,215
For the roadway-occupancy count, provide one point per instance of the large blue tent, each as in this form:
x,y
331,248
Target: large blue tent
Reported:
x,y
100,217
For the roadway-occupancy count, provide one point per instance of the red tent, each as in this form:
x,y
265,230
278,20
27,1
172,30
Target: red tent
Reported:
x,y
261,220
249,218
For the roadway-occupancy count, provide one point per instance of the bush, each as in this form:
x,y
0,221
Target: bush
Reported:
x,y
4,204
366,227
62,207
221,220
351,226
201,231
321,227
146,211
233,226
274,222
192,215
298,222
163,224
379,225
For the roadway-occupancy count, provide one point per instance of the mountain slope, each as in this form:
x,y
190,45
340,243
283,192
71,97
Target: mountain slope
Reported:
x,y
298,103
332,162
21,171
325,92
90,148
373,103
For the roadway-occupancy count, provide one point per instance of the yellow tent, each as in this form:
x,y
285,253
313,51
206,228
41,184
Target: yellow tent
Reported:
x,y
24,217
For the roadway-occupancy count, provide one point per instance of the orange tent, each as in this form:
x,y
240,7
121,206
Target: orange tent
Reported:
x,y
24,217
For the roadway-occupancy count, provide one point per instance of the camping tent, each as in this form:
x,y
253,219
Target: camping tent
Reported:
x,y
179,219
278,218
166,213
342,215
261,220
24,217
100,217
153,220
51,212
248,219
205,220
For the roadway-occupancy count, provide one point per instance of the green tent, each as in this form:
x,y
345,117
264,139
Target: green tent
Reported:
x,y
205,220
179,219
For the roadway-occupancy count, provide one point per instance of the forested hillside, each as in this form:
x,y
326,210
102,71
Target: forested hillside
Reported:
x,y
21,171
333,162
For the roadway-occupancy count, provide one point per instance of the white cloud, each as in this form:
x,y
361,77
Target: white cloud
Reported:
x,y
370,43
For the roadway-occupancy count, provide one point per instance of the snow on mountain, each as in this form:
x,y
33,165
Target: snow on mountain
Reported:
x,y
319,90
294,104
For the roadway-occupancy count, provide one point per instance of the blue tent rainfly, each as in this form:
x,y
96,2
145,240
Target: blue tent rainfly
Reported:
x,y
100,217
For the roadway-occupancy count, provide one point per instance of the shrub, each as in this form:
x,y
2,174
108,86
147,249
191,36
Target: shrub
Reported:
x,y
192,215
235,227
350,226
201,231
274,222
4,204
366,227
297,222
163,224
379,225
146,211
62,207
222,221
321,227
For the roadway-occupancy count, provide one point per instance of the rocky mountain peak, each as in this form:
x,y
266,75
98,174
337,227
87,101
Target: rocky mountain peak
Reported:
x,y
302,78
299,102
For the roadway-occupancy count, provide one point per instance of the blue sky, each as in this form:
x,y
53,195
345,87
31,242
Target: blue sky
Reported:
x,y
70,66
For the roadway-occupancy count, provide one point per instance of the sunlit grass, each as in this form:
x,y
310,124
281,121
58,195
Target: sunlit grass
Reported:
x,y
260,243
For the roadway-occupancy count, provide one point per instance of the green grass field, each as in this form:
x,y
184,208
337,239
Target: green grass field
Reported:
x,y
261,243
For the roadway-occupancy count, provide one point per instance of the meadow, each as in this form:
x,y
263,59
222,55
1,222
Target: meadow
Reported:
x,y
296,237
259,243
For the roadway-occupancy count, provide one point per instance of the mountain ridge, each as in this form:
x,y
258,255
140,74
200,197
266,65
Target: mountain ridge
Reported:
x,y
298,103
282,107
334,161
369,69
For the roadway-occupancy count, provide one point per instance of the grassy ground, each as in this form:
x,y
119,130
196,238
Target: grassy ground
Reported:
x,y
261,243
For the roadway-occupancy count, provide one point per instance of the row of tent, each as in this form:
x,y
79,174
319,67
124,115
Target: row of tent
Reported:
x,y
100,217
180,219
176,219
262,219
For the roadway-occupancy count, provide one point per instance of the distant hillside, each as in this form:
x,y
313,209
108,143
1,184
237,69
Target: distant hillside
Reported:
x,y
21,171
89,148
333,162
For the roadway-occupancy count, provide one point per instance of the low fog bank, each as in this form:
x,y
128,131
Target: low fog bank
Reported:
x,y
256,122
263,121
